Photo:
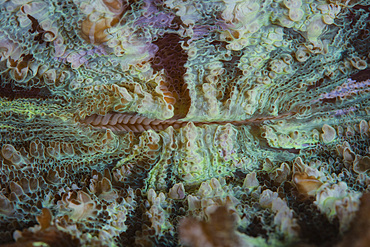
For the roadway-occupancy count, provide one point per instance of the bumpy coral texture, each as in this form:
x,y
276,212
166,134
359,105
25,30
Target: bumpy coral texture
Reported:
x,y
147,123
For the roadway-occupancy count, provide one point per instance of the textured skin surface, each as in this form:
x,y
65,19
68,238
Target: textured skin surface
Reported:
x,y
121,118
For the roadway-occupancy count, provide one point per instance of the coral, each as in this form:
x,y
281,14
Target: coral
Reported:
x,y
218,231
336,200
284,215
149,122
44,233
359,234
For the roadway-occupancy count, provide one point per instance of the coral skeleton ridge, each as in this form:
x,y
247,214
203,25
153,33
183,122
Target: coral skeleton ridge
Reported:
x,y
184,122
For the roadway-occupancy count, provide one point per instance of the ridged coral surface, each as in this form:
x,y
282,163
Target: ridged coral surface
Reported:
x,y
183,122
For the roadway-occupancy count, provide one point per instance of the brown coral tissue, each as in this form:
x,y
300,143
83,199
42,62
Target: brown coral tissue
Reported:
x,y
359,233
219,231
45,235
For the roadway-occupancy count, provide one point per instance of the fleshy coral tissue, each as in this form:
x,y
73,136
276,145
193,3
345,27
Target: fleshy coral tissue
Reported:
x,y
184,122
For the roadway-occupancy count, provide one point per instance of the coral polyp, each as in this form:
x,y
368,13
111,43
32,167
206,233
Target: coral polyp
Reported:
x,y
184,123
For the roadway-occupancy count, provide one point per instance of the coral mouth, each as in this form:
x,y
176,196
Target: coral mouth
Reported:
x,y
125,122
121,122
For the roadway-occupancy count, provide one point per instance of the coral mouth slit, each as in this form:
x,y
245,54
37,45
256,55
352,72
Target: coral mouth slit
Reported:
x,y
125,122
121,122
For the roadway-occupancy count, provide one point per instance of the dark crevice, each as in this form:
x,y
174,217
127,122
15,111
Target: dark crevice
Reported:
x,y
112,164
35,24
255,229
315,85
138,173
170,173
37,28
289,150
11,226
330,100
362,75
135,221
11,92
171,58
315,227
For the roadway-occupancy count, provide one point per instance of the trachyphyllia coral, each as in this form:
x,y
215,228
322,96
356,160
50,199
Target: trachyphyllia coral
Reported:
x,y
135,123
